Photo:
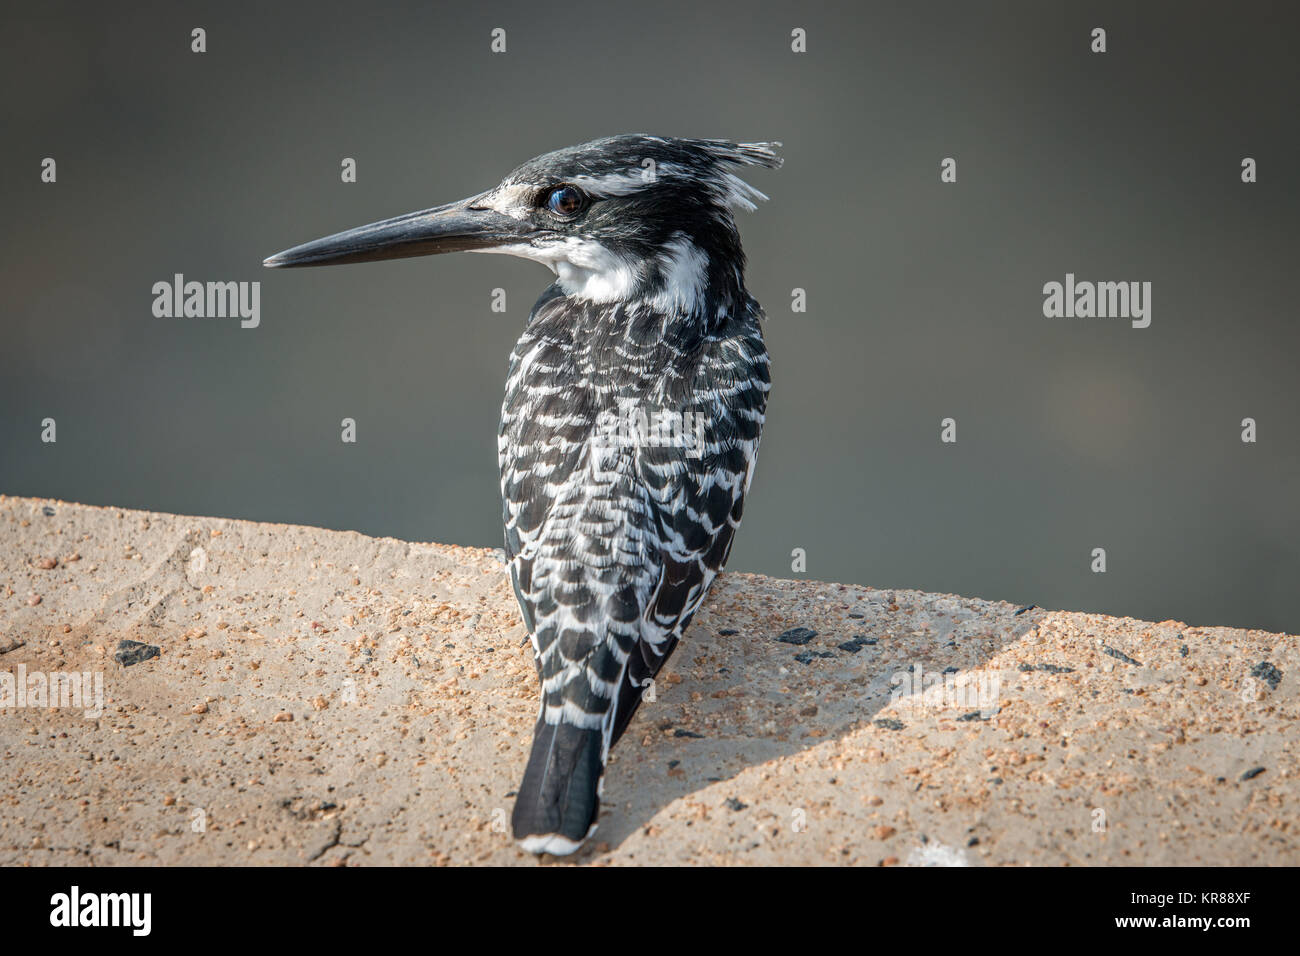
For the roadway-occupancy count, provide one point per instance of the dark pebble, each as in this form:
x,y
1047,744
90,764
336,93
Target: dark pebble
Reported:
x,y
734,804
797,635
889,723
1183,650
47,511
673,763
973,841
687,733
856,616
727,632
1120,655
806,657
133,652
1252,773
851,646
973,715
1267,673
1027,607
1049,668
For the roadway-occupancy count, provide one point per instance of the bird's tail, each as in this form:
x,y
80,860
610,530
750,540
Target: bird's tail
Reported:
x,y
557,804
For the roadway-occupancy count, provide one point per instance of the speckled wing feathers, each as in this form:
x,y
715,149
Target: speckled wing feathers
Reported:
x,y
612,546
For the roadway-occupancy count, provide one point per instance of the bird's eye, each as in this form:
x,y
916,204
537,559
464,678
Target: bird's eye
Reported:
x,y
566,201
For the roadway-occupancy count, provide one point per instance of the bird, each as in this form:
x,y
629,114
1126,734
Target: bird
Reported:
x,y
614,531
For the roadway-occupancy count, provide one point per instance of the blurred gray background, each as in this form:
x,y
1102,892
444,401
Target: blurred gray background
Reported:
x,y
924,299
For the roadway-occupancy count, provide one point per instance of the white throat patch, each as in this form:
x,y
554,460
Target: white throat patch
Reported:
x,y
586,269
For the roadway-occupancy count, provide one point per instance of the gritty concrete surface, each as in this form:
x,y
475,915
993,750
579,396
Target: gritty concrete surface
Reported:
x,y
326,698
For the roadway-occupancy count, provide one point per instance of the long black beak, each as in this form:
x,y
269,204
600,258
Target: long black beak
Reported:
x,y
455,227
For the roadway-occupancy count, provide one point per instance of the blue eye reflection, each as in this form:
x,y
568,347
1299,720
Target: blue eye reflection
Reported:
x,y
565,201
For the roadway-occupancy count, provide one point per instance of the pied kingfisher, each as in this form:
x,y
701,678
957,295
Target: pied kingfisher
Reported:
x,y
613,534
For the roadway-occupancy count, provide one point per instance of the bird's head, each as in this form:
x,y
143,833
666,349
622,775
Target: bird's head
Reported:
x,y
624,218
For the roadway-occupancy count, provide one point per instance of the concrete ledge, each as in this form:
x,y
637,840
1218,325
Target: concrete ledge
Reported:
x,y
322,697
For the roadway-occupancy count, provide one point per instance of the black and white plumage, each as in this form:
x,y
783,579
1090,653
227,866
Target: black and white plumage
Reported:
x,y
612,539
